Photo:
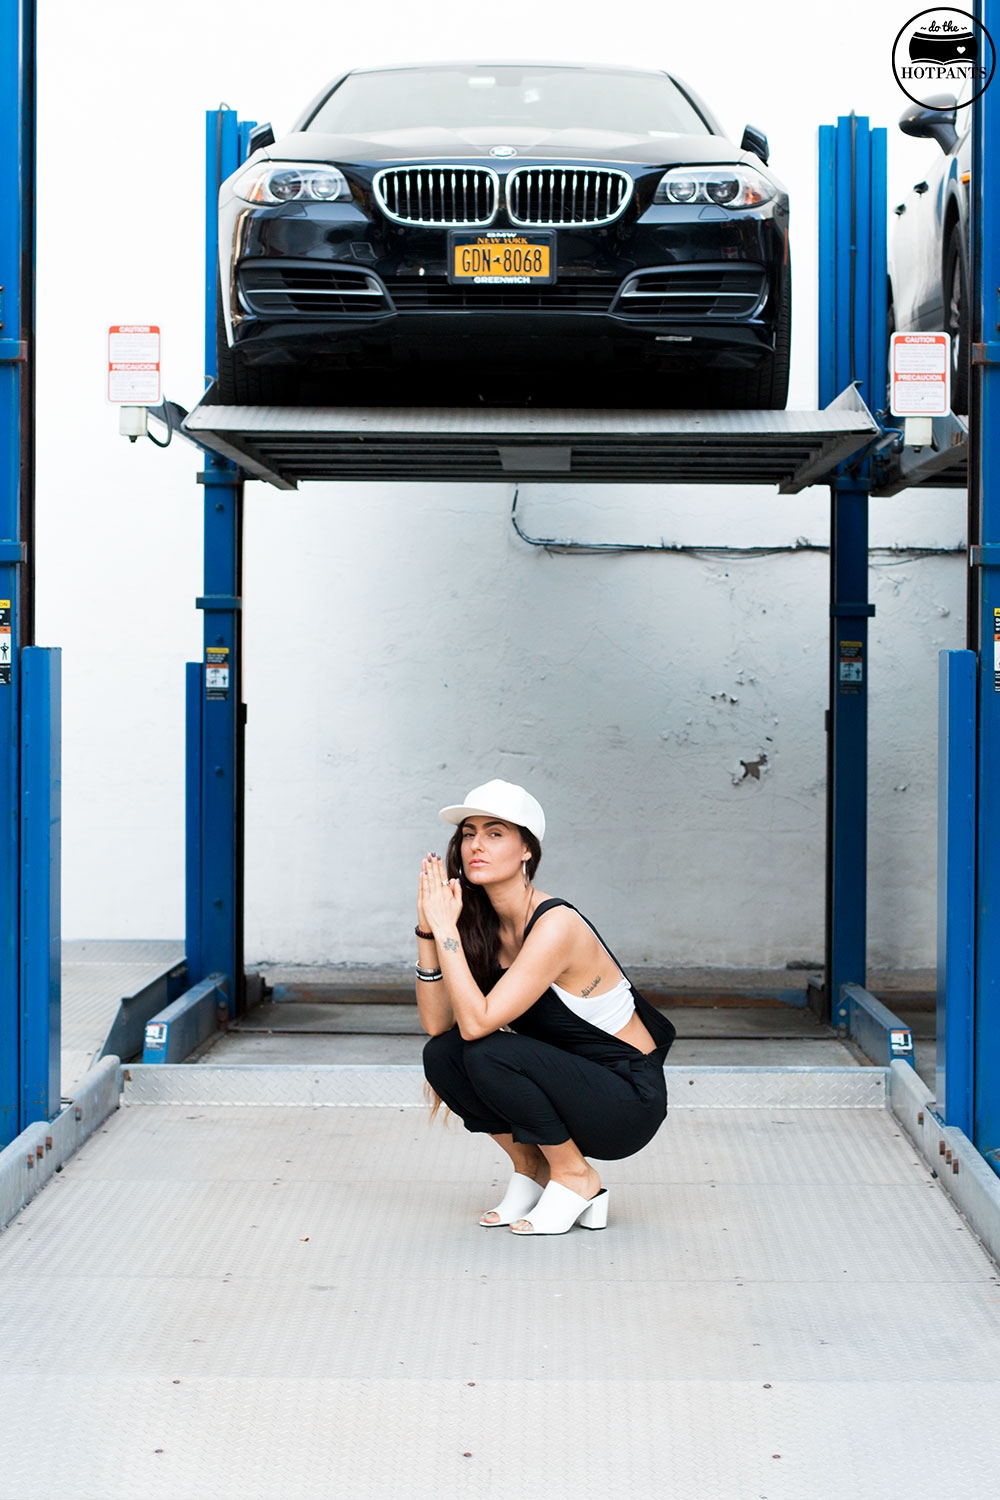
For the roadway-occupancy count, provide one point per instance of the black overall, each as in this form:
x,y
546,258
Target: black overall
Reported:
x,y
554,1077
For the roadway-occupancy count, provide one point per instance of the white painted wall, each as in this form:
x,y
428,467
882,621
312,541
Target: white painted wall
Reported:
x,y
625,691
402,642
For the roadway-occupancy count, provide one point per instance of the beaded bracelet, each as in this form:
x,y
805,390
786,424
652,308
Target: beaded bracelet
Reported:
x,y
421,933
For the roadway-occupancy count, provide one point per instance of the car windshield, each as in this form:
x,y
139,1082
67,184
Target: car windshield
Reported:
x,y
539,97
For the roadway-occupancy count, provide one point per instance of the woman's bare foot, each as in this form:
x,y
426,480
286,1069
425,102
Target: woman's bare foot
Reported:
x,y
587,1183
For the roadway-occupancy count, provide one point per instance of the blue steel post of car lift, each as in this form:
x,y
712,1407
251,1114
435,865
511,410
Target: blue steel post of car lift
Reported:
x,y
17,156
214,936
41,868
956,887
985,557
11,18
194,690
852,349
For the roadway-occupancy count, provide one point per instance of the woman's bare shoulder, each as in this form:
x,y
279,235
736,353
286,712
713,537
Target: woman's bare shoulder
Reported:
x,y
561,922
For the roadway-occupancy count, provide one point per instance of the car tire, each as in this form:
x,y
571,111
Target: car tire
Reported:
x,y
765,386
956,320
242,384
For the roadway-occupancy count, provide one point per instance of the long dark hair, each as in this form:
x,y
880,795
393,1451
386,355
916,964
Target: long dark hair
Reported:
x,y
478,923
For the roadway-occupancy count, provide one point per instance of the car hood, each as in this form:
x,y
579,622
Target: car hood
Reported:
x,y
530,145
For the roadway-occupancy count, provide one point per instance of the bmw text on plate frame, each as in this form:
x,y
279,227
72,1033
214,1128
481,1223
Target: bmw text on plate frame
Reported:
x,y
512,224
943,49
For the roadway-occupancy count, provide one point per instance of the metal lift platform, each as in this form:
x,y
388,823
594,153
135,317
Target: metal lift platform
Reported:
x,y
271,1283
943,464
285,445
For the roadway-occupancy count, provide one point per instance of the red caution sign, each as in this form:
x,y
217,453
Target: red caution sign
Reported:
x,y
134,364
920,374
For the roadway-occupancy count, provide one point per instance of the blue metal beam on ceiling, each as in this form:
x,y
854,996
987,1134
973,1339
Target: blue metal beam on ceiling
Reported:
x,y
852,345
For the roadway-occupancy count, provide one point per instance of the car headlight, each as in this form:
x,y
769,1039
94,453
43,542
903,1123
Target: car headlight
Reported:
x,y
291,182
728,187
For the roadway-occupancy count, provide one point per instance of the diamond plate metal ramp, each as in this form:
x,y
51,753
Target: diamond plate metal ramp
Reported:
x,y
401,1087
109,991
217,1301
286,444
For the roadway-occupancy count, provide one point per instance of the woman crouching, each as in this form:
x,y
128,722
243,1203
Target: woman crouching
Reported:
x,y
537,1036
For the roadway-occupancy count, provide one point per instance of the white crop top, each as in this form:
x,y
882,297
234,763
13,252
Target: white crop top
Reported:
x,y
611,1011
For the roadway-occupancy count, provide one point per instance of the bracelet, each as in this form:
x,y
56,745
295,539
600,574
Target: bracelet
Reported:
x,y
428,976
421,933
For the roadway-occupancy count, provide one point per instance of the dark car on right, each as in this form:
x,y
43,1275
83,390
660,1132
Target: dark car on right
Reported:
x,y
929,250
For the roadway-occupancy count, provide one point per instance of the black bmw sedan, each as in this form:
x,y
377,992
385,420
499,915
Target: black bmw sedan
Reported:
x,y
512,231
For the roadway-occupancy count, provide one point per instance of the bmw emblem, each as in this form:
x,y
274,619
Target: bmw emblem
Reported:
x,y
502,151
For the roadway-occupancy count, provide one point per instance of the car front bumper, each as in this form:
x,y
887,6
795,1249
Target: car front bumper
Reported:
x,y
334,286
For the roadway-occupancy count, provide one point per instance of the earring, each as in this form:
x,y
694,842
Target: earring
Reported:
x,y
524,871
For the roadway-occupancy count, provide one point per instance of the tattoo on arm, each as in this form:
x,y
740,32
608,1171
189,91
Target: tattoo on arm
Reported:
x,y
587,988
451,944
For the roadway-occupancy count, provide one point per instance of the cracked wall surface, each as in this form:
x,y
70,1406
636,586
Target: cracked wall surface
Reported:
x,y
667,710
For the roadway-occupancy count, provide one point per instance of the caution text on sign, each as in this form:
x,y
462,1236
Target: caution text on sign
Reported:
x,y
920,374
134,364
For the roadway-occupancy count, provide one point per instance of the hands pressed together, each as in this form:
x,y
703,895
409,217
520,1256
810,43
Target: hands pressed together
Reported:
x,y
439,900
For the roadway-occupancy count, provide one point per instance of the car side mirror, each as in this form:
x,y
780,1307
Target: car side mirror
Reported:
x,y
933,121
756,141
260,135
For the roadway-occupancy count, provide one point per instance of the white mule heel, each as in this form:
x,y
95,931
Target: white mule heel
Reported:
x,y
559,1208
521,1196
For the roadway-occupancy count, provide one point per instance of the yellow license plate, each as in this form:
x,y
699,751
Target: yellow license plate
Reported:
x,y
502,259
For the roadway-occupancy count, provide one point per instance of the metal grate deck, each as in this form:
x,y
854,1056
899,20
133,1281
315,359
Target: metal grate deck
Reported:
x,y
286,445
273,1303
